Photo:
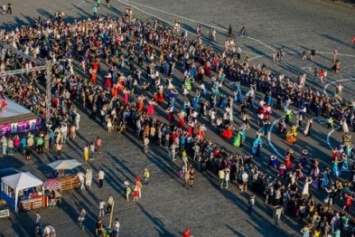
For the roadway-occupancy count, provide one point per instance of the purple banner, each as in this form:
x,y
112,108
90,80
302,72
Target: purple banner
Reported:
x,y
23,126
5,129
38,123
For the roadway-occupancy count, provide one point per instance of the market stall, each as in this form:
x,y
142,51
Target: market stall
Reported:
x,y
22,191
51,187
69,181
4,208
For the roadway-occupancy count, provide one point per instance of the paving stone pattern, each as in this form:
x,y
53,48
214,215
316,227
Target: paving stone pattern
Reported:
x,y
166,207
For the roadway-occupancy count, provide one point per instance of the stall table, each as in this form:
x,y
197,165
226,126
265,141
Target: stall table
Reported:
x,y
69,182
33,203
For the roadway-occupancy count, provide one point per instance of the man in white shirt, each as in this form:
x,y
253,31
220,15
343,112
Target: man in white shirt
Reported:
x,y
81,178
64,132
102,208
101,177
244,187
77,120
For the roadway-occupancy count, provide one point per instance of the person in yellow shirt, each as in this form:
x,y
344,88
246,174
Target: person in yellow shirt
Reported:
x,y
317,232
86,153
146,176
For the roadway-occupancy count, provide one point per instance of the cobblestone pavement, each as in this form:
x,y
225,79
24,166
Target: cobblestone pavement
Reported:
x,y
166,207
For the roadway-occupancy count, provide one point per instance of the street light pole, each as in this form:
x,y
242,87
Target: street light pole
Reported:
x,y
111,215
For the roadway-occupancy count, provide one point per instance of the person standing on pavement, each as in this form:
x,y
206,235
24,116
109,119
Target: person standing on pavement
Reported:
x,y
172,151
192,177
313,53
101,177
146,144
98,3
94,11
38,230
38,219
116,228
88,178
242,31
128,189
230,32
86,153
102,208
81,219
92,151
81,178
335,55
227,177
139,186
99,228
186,232
98,144
110,202
116,225
221,177
251,204
146,176
77,115
244,186
9,8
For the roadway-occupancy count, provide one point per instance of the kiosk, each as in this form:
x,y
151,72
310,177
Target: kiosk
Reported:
x,y
22,190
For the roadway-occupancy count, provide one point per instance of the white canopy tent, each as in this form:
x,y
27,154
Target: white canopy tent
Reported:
x,y
64,164
19,182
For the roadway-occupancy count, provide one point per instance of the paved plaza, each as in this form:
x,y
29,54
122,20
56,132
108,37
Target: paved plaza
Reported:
x,y
166,206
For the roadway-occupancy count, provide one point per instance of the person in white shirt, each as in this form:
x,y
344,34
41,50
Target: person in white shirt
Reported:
x,y
64,132
77,120
81,178
88,178
101,177
102,208
116,225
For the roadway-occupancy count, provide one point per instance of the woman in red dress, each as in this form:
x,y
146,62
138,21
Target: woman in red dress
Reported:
x,y
207,69
227,133
288,162
114,90
170,115
181,123
150,110
186,232
201,132
140,106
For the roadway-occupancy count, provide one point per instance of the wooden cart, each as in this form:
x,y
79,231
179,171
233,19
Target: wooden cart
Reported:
x,y
69,182
34,203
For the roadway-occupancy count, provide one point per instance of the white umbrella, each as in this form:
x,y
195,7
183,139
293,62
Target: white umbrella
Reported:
x,y
64,164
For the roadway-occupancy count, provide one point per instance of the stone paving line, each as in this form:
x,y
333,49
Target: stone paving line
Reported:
x,y
341,3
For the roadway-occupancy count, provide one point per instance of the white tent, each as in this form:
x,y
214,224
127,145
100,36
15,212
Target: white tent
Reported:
x,y
64,164
19,182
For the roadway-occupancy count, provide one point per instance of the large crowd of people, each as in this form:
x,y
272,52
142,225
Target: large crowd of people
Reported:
x,y
137,62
